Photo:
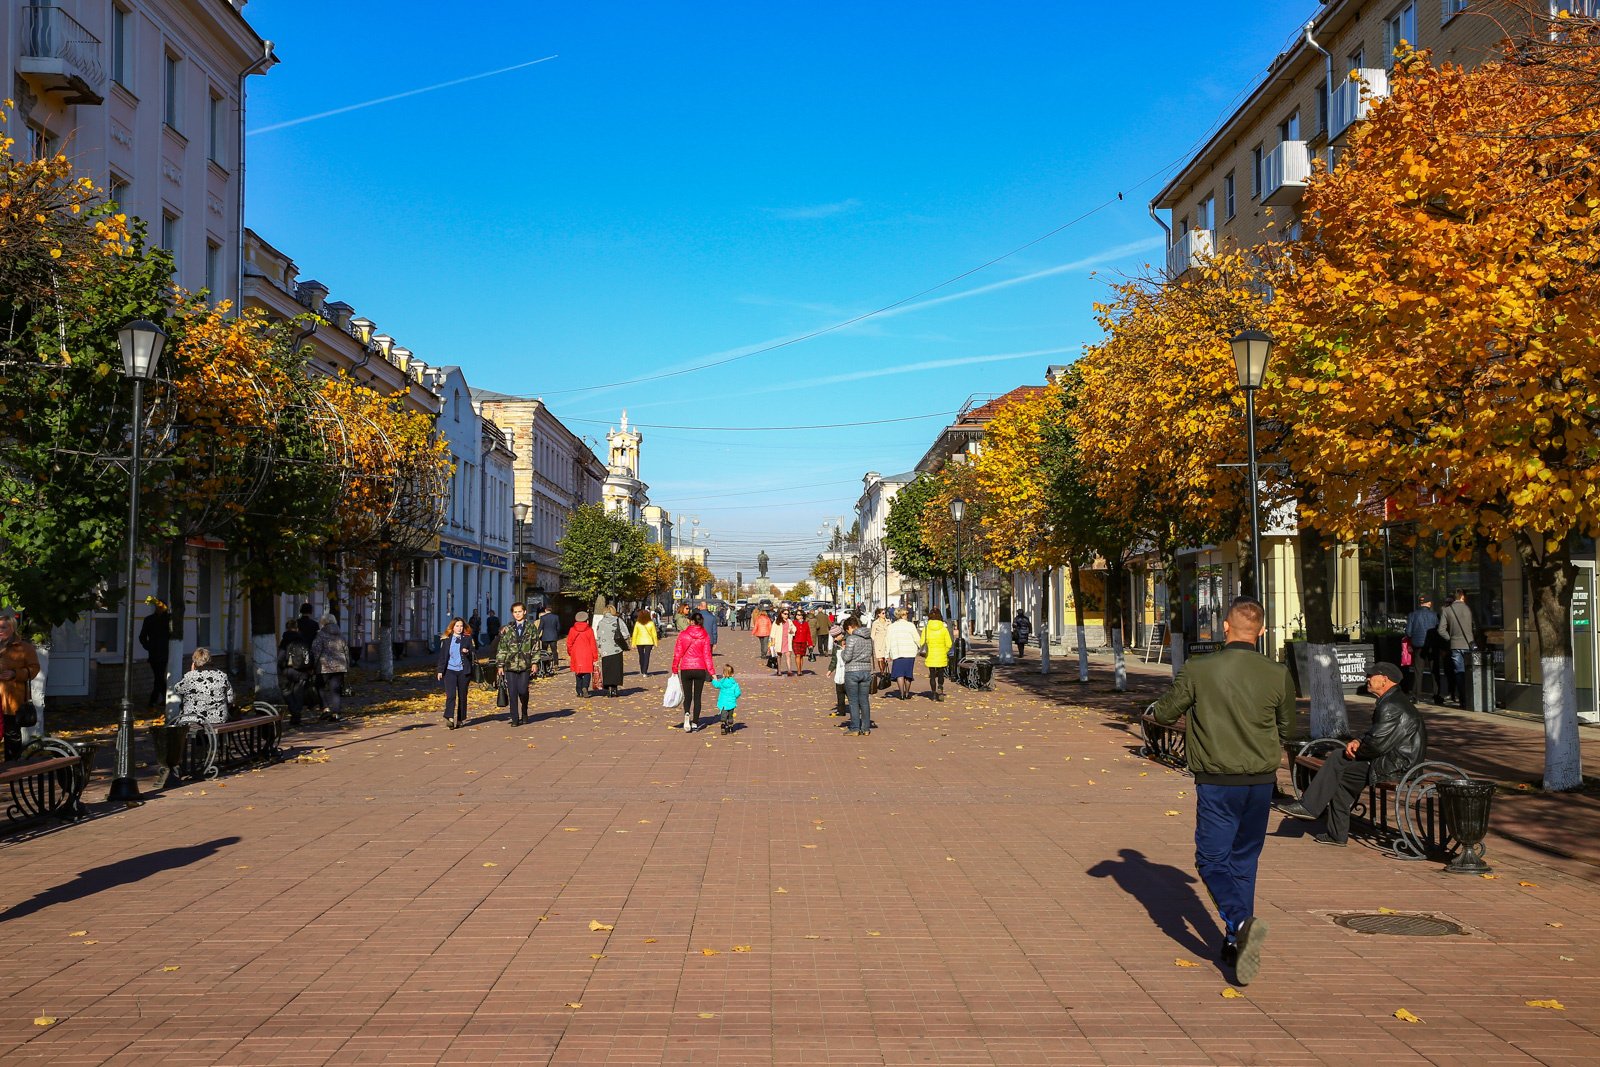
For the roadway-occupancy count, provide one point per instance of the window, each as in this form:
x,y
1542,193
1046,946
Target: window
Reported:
x,y
169,236
214,269
1255,172
1585,9
1289,128
121,26
216,110
1449,9
1358,59
1322,107
1228,204
1205,214
171,84
41,144
1400,27
118,189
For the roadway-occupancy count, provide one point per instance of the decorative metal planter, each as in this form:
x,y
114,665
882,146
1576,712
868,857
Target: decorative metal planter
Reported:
x,y
170,743
1466,814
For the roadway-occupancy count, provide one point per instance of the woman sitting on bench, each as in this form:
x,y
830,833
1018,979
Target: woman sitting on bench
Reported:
x,y
206,693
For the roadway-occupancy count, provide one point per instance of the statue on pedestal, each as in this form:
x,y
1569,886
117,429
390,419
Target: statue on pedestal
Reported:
x,y
761,563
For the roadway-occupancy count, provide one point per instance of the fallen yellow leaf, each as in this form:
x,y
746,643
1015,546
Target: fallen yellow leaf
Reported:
x,y
1556,925
813,937
1405,1016
1552,1004
808,846
780,889
597,955
1184,963
45,1020
79,933
649,940
574,1004
1231,993
595,924
1169,813
1491,877
491,865
873,933
91,941
741,948
708,952
1529,885
708,1015
170,968
1387,911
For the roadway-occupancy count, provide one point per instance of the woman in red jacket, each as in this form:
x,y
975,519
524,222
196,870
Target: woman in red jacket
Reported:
x,y
802,642
582,652
691,662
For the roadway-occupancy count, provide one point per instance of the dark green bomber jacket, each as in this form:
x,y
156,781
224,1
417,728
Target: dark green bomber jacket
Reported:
x,y
1241,713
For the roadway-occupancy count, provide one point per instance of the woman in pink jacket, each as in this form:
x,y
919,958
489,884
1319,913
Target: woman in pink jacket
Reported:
x,y
783,630
691,662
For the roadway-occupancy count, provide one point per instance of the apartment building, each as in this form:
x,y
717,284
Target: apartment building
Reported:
x,y
147,98
1244,187
555,471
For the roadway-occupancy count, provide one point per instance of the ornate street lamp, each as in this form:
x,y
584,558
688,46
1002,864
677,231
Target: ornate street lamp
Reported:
x,y
141,342
519,515
1250,351
616,546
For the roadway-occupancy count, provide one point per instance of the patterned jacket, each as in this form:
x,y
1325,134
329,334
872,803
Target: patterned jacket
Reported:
x,y
519,646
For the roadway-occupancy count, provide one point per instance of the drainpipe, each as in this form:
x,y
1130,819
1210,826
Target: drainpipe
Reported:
x,y
267,61
1163,225
1327,62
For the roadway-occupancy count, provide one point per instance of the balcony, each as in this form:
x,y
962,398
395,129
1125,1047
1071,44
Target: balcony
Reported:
x,y
1348,103
1187,251
60,57
1284,173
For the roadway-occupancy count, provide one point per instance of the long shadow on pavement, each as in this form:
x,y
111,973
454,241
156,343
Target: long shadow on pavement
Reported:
x,y
133,869
1167,895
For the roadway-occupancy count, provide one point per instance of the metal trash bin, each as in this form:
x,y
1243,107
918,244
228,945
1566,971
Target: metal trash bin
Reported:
x,y
1480,680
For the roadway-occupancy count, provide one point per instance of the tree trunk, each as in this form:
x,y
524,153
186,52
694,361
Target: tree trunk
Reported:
x,y
1075,577
36,691
264,642
1008,609
1551,576
383,589
1114,599
177,598
1042,632
1328,714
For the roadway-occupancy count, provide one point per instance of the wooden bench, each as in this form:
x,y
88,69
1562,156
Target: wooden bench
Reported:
x,y
1405,817
205,750
1163,743
50,783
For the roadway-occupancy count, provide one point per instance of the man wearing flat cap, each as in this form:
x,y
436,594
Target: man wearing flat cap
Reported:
x,y
1396,741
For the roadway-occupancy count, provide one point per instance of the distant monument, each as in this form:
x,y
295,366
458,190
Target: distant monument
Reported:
x,y
763,584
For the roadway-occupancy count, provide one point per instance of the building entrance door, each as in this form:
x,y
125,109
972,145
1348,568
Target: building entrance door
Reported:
x,y
1585,662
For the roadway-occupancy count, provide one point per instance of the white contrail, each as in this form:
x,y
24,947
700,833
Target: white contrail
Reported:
x,y
396,96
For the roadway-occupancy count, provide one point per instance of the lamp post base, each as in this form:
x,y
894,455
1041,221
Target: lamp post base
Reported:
x,y
124,791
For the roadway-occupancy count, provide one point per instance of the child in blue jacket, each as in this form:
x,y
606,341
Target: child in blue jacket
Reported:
x,y
727,697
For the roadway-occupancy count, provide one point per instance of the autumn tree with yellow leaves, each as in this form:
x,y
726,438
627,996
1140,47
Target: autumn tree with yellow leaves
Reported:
x,y
1450,297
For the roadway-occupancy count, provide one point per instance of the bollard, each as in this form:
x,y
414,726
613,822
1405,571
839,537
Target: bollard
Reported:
x,y
1465,805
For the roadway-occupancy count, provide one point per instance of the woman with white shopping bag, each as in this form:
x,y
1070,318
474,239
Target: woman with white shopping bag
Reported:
x,y
692,667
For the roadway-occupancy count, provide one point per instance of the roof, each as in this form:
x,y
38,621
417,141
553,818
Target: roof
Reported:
x,y
988,410
969,424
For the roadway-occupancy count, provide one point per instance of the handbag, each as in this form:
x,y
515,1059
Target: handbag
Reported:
x,y
1406,657
27,716
502,693
674,694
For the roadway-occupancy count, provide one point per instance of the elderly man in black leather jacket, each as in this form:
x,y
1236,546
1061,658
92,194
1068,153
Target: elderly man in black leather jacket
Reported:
x,y
1396,741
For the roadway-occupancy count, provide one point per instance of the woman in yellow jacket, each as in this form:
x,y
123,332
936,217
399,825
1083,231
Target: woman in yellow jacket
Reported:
x,y
644,639
936,644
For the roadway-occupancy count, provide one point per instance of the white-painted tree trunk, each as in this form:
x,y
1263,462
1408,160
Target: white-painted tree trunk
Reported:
x,y
1119,664
1083,652
264,666
36,693
1042,620
1563,758
1008,654
386,653
1328,715
175,656
1175,646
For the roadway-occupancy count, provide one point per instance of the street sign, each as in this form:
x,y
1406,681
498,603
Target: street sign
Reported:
x,y
850,592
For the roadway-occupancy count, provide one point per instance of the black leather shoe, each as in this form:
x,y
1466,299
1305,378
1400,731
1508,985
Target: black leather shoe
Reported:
x,y
1230,953
1328,839
1294,809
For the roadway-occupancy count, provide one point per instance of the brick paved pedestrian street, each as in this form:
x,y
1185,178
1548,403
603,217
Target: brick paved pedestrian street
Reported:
x,y
994,879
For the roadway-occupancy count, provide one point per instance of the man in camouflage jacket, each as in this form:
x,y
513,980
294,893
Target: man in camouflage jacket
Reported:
x,y
518,649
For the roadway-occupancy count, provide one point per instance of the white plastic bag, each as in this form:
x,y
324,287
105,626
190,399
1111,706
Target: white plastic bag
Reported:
x,y
674,694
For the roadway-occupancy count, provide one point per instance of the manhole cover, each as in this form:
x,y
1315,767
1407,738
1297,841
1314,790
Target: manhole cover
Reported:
x,y
1398,925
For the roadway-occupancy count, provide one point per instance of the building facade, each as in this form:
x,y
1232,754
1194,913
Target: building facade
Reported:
x,y
623,493
880,584
147,98
554,472
473,564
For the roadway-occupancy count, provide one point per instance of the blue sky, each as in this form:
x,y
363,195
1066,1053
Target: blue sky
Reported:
x,y
686,183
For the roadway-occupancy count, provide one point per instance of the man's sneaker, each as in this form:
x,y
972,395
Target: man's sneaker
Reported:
x,y
1328,839
1295,810
1251,936
1230,953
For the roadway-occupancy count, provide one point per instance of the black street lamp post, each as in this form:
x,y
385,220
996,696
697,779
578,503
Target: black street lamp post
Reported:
x,y
519,515
616,546
141,342
1250,351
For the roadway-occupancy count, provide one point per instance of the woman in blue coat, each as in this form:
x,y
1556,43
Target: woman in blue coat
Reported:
x,y
454,669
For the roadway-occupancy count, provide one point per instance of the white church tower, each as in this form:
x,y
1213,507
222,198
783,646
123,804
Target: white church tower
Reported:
x,y
623,493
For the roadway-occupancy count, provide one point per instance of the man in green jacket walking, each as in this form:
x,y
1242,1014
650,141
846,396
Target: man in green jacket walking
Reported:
x,y
1241,710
